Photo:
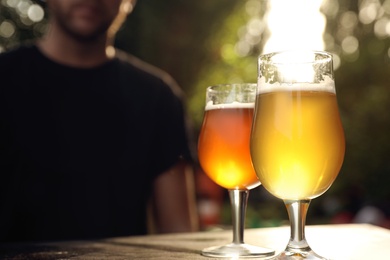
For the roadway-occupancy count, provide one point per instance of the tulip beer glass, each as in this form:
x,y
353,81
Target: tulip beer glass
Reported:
x,y
297,140
224,155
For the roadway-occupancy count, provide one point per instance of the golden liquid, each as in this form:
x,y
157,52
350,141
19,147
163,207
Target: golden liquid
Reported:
x,y
297,143
223,147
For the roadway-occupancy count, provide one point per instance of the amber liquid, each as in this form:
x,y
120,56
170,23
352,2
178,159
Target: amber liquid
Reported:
x,y
297,142
223,147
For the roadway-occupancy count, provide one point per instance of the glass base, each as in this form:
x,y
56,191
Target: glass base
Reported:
x,y
237,250
299,255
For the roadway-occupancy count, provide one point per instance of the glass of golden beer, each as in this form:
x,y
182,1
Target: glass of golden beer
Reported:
x,y
297,139
223,149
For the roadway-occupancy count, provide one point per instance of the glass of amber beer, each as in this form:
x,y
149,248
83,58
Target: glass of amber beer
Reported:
x,y
224,155
297,139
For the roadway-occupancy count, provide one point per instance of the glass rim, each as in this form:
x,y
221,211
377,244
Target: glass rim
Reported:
x,y
219,87
266,58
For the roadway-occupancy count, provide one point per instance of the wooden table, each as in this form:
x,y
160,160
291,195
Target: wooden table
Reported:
x,y
352,241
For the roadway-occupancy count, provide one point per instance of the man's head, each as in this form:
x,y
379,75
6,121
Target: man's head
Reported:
x,y
86,20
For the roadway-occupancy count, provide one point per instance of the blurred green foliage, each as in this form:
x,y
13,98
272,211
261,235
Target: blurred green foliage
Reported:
x,y
196,41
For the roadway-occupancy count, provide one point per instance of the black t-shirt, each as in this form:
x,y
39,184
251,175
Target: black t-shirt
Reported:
x,y
80,148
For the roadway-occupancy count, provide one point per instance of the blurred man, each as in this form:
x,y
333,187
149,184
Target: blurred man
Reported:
x,y
88,135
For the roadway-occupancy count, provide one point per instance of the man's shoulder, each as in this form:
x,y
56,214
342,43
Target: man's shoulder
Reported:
x,y
18,51
148,71
17,55
141,65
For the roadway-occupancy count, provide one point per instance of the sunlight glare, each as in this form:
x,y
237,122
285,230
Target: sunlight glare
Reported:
x,y
295,24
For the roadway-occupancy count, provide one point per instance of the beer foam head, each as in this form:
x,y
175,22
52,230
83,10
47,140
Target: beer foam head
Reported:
x,y
327,85
210,105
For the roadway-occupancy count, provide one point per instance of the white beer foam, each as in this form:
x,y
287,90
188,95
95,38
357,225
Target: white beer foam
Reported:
x,y
326,85
235,104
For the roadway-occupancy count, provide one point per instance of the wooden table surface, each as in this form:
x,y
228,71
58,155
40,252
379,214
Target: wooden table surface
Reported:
x,y
352,241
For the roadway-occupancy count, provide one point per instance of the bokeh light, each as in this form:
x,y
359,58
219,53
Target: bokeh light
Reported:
x,y
35,13
7,29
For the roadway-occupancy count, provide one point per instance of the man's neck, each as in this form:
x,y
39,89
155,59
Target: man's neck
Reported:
x,y
73,52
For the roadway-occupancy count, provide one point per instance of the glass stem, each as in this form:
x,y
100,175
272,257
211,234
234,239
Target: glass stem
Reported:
x,y
239,200
297,210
